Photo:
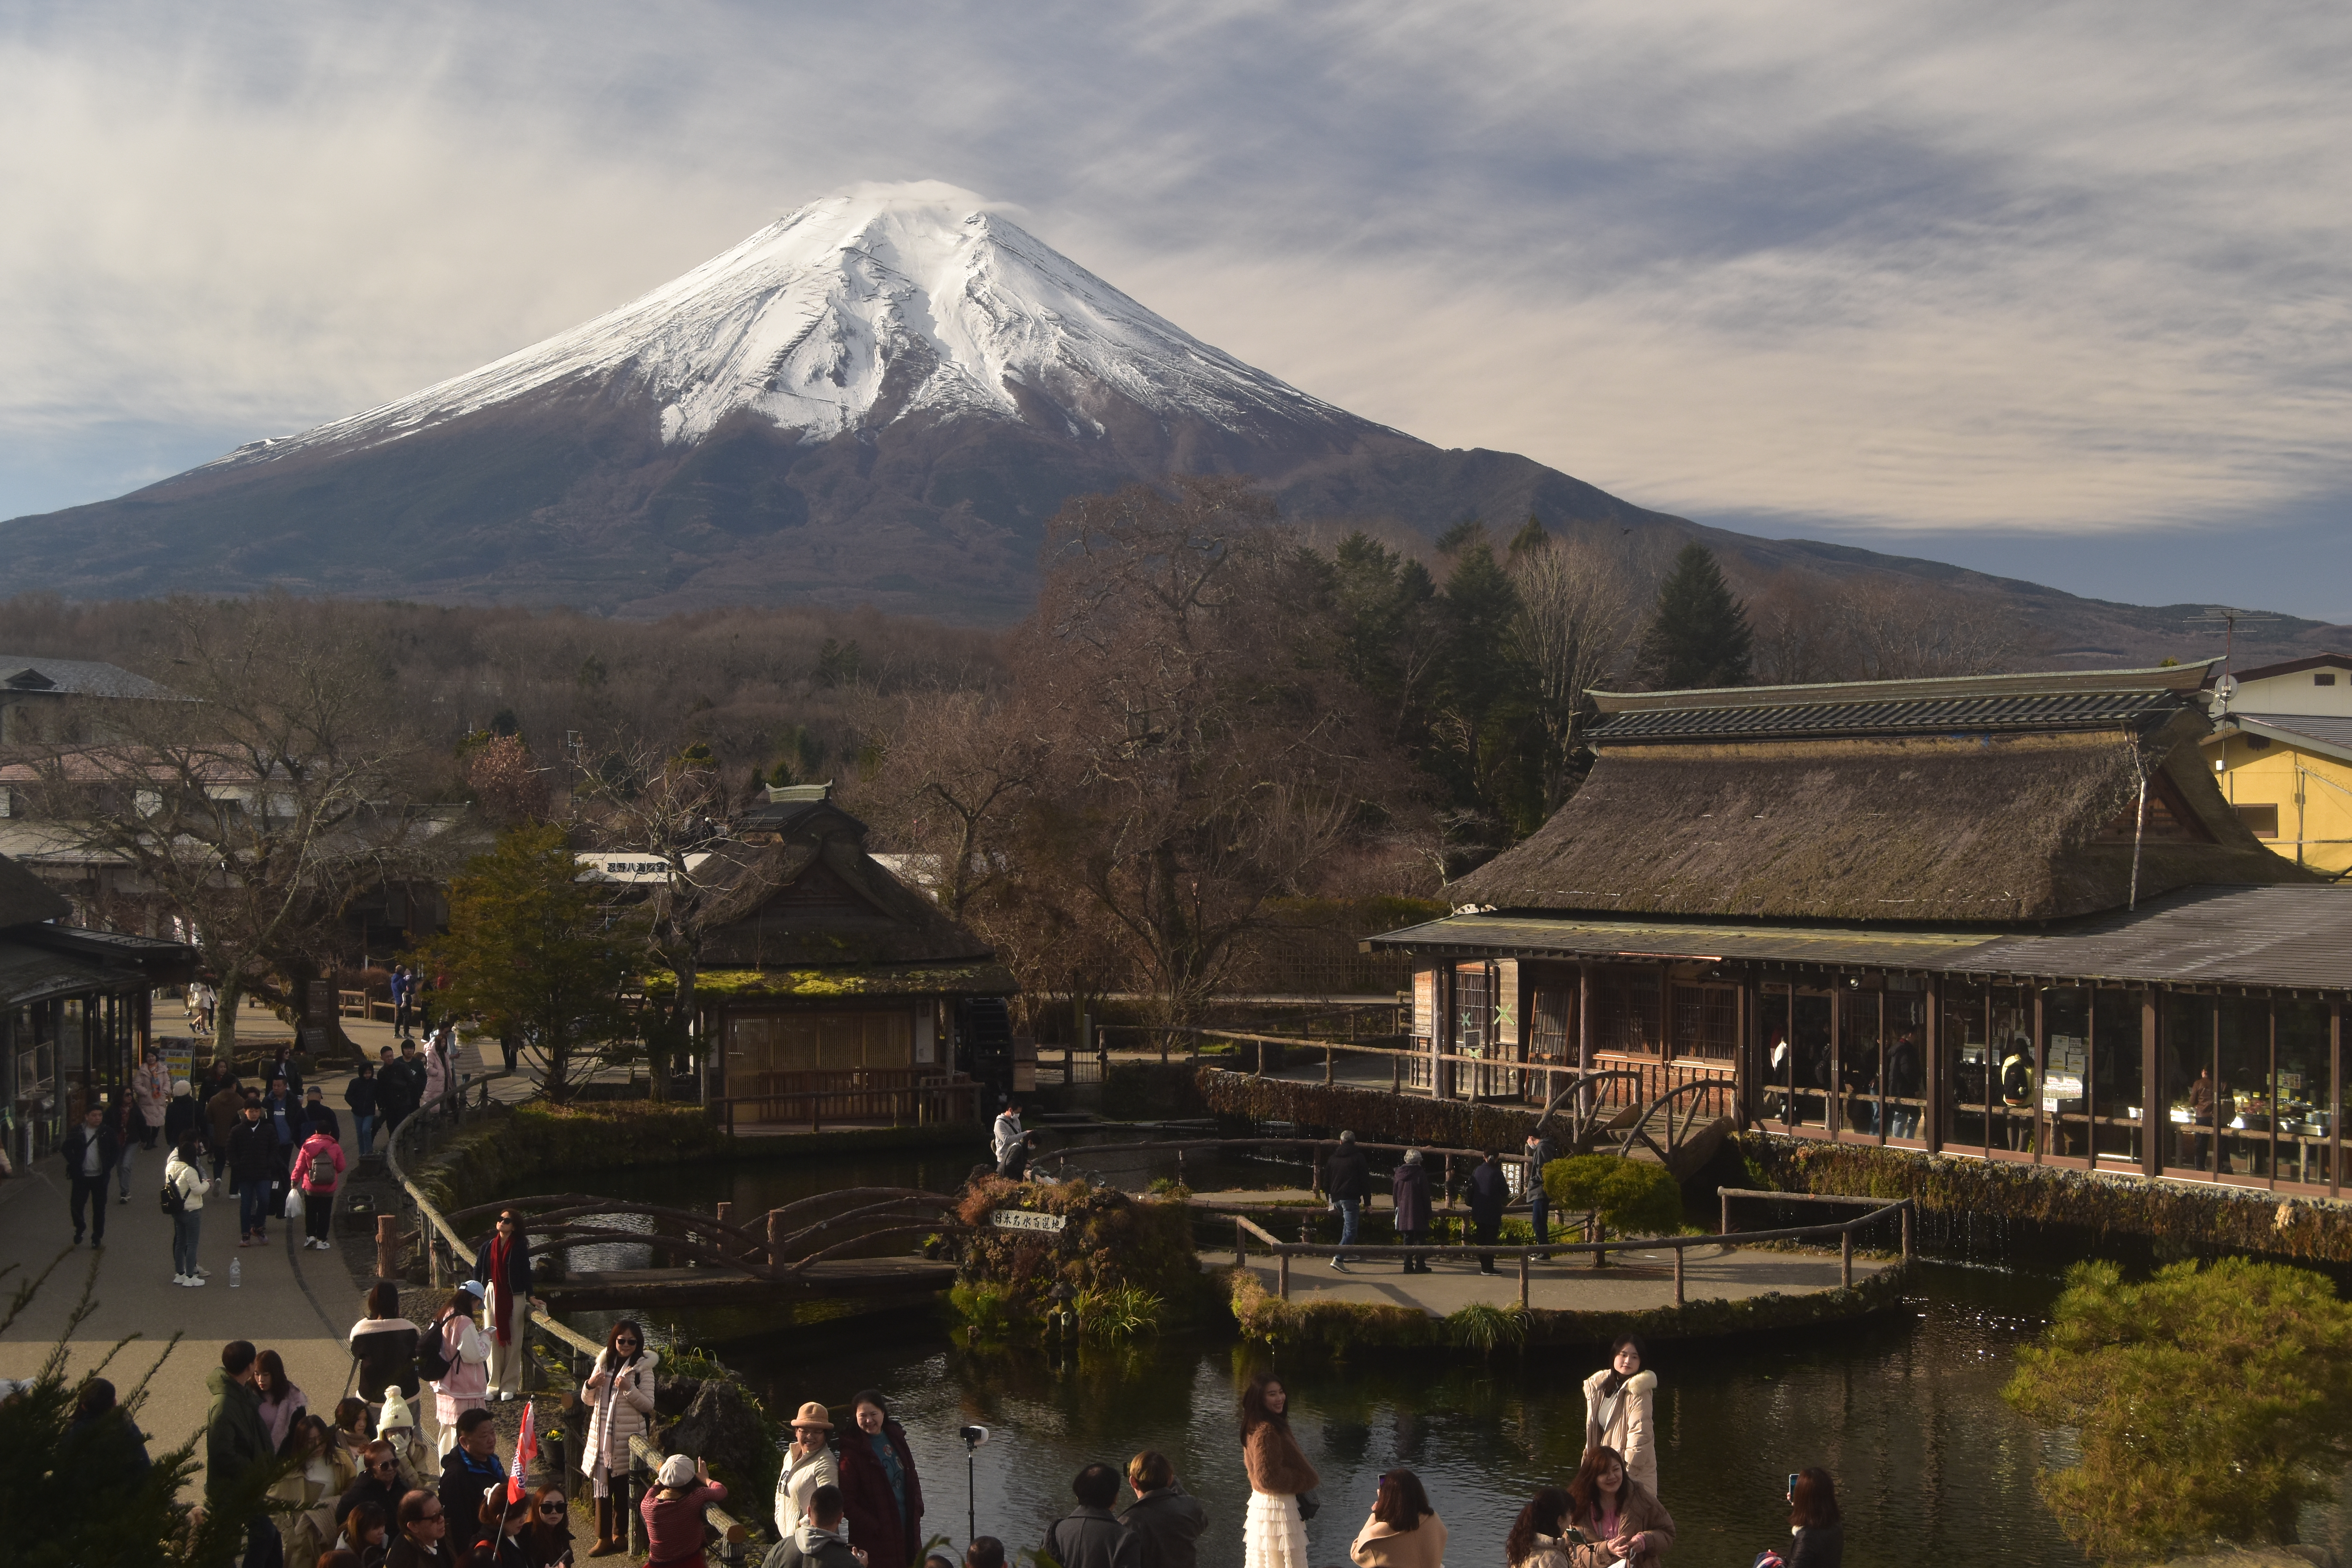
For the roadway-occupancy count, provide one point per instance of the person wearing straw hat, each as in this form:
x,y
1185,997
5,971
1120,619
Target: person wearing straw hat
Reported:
x,y
808,1465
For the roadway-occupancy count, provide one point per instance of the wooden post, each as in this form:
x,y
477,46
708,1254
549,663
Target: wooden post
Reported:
x,y
1724,1228
2155,1118
1261,1058
1907,1230
1523,1282
1241,1244
1396,1075
1678,1277
387,1247
1845,1258
1327,1066
1282,1274
1600,1234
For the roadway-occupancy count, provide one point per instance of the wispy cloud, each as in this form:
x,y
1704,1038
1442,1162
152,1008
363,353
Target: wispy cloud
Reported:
x,y
1949,268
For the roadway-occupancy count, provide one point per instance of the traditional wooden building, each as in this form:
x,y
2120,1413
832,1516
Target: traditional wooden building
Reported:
x,y
2010,917
830,990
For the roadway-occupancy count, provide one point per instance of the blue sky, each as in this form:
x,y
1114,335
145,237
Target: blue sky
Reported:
x,y
2057,291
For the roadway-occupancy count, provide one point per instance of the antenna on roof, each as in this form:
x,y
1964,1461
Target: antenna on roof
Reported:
x,y
2229,616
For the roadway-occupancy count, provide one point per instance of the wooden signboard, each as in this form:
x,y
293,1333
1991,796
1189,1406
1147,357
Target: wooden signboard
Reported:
x,y
1023,1219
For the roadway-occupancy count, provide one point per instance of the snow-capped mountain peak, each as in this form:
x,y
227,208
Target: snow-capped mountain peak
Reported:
x,y
864,308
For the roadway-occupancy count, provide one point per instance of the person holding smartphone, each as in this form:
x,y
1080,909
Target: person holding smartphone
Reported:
x,y
1540,1536
1816,1532
1615,1518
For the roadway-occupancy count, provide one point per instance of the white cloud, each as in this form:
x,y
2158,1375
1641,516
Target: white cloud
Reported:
x,y
1967,266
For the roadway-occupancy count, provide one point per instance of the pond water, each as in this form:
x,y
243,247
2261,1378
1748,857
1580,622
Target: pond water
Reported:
x,y
1904,1410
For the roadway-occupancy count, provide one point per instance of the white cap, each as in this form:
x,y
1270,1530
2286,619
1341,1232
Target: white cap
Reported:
x,y
677,1470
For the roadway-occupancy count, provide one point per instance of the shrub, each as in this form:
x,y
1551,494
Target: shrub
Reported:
x,y
2212,1402
1633,1197
1480,1327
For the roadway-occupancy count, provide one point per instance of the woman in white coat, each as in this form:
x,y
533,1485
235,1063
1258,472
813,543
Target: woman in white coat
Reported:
x,y
468,1380
621,1391
1618,1409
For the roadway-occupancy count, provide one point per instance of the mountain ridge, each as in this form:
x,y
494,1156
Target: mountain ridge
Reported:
x,y
878,397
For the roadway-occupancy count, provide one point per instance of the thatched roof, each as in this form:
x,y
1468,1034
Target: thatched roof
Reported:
x,y
2014,826
808,895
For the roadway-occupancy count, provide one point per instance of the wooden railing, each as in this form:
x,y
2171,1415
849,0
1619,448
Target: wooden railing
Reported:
x,y
1283,1251
899,1096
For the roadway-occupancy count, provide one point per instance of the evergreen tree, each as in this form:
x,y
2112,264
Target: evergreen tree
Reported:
x,y
532,951
1698,635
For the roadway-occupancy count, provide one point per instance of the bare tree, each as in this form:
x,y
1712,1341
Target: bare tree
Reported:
x,y
257,808
952,771
660,806
1201,762
1575,617
1808,629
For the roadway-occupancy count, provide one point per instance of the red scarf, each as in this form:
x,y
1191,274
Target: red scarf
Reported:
x,y
504,1309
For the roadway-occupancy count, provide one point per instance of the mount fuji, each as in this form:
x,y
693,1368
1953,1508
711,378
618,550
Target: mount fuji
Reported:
x,y
877,399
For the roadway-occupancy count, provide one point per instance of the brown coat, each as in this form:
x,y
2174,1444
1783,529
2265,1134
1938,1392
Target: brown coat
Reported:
x,y
1378,1546
1642,1512
1275,1464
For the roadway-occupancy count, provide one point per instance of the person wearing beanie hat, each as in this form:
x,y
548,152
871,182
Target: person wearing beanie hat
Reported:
x,y
808,1465
1410,1189
397,1425
184,1117
673,1512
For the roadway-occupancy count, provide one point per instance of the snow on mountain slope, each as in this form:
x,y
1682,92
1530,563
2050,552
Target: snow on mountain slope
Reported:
x,y
856,311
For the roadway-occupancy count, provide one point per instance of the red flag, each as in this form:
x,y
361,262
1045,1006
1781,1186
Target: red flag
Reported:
x,y
526,1451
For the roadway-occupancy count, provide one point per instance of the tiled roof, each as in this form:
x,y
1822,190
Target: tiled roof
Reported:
x,y
2045,712
2277,938
76,678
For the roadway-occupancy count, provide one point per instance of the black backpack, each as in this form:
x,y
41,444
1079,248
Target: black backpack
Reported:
x,y
432,1355
175,1202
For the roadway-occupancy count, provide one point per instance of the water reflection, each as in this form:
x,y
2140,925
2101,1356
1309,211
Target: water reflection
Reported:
x,y
1904,1410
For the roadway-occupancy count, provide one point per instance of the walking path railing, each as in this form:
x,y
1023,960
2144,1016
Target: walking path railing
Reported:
x,y
443,1241
1283,1251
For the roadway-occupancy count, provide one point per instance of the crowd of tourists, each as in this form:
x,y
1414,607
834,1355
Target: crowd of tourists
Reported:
x,y
272,1144
363,1485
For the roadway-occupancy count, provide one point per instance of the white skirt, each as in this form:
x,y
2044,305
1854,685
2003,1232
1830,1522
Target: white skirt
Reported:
x,y
1274,1537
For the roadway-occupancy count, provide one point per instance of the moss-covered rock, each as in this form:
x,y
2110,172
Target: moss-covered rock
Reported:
x,y
1115,1250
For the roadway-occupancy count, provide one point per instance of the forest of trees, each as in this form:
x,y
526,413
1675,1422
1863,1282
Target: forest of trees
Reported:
x,y
1213,722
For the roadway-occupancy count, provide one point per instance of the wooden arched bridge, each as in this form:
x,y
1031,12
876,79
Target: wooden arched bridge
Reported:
x,y
854,1242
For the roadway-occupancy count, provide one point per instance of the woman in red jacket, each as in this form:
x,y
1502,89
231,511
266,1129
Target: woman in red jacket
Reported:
x,y
879,1492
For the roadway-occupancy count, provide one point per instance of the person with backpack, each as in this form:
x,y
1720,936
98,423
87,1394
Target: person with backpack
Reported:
x,y
457,1348
317,1166
359,1094
184,1187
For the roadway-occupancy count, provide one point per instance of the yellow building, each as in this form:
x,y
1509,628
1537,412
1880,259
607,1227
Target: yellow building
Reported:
x,y
2281,751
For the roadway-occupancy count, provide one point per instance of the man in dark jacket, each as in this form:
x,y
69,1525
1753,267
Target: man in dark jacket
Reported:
x,y
1410,1187
817,1543
253,1168
469,1471
235,1440
1488,1193
1347,1178
1539,1154
1088,1536
91,1149
408,1073
1162,1527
